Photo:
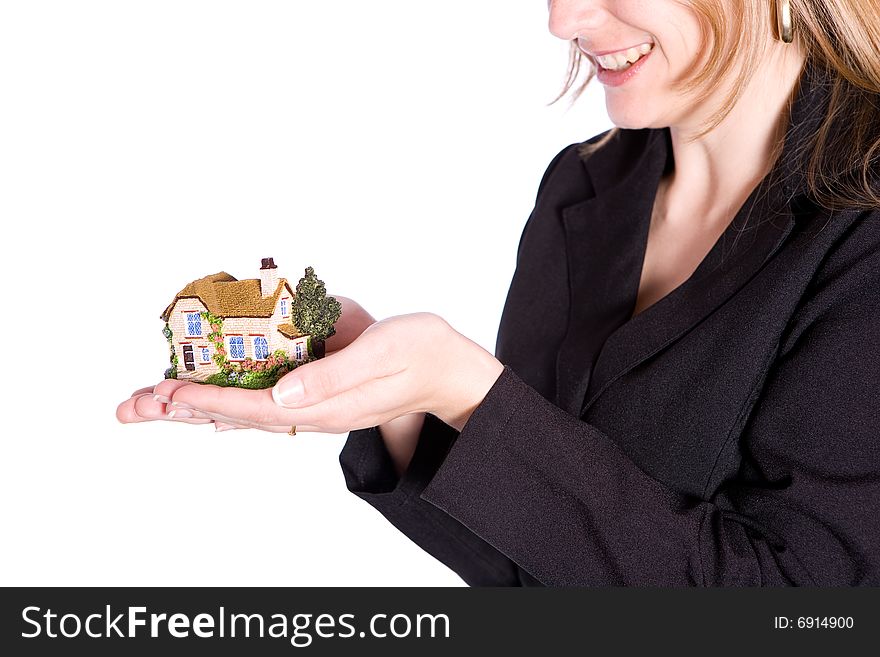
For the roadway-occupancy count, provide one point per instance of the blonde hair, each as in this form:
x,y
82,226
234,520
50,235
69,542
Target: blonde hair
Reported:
x,y
842,36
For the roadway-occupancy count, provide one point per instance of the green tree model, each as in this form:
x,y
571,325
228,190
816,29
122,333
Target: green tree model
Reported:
x,y
313,312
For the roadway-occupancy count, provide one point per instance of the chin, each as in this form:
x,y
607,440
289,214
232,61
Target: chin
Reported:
x,y
631,118
629,123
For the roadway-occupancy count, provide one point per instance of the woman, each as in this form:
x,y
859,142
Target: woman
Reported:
x,y
685,387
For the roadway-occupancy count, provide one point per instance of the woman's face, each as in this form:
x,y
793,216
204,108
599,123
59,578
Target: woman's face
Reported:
x,y
642,97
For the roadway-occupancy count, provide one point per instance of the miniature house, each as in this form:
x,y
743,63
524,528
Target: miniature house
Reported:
x,y
255,321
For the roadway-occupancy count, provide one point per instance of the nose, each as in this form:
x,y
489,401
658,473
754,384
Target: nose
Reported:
x,y
568,18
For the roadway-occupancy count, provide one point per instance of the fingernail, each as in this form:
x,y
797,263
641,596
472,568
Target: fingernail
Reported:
x,y
162,399
225,427
179,414
180,405
288,393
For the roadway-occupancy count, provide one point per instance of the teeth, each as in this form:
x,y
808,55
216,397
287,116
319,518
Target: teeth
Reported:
x,y
632,55
620,61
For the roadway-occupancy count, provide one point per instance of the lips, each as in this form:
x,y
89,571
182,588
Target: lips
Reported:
x,y
615,77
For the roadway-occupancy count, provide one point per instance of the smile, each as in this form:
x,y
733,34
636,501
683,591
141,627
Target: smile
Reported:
x,y
623,59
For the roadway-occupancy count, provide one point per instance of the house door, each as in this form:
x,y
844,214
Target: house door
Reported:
x,y
189,361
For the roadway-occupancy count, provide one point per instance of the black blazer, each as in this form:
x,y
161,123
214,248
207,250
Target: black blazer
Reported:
x,y
729,434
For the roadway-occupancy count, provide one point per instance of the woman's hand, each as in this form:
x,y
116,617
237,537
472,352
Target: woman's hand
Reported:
x,y
400,365
153,402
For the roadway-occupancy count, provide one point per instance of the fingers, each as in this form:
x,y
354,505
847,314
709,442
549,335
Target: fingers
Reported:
x,y
237,406
230,402
127,412
223,426
148,404
154,403
145,408
163,386
226,423
165,390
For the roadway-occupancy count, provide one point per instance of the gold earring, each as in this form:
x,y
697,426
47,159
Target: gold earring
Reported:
x,y
784,29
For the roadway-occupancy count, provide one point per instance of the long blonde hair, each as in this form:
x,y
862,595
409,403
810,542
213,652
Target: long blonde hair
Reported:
x,y
842,36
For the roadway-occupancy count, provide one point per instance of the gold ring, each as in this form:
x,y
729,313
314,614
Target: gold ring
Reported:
x,y
292,431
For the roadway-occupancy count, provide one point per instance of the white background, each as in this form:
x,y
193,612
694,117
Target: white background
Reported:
x,y
396,146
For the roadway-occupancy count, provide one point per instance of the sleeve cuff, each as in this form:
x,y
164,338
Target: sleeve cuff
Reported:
x,y
369,471
472,454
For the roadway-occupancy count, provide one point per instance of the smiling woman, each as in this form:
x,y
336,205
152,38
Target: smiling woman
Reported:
x,y
717,47
684,389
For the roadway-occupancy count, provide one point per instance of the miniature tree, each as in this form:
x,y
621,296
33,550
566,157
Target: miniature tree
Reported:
x,y
313,312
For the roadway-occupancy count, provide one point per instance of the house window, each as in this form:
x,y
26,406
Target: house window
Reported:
x,y
284,309
193,324
206,355
299,352
236,347
261,348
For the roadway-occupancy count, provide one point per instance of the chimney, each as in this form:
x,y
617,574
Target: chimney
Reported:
x,y
268,277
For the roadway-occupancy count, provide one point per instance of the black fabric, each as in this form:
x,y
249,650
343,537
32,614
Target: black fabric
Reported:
x,y
729,434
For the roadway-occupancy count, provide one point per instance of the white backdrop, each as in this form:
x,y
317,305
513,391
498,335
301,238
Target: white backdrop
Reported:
x,y
396,146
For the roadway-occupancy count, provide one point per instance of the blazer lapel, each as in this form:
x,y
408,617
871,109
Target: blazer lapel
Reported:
x,y
603,235
606,239
661,324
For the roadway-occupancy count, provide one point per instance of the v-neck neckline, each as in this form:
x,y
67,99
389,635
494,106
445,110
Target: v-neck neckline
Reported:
x,y
606,237
733,232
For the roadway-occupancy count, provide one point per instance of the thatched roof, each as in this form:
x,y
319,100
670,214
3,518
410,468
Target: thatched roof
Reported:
x,y
290,331
225,296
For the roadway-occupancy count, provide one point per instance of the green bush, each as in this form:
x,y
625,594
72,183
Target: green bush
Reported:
x,y
253,379
218,379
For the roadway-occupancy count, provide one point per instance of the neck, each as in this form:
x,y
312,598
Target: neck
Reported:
x,y
714,174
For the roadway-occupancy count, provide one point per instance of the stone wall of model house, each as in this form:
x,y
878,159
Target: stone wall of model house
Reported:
x,y
259,337
185,321
244,337
296,348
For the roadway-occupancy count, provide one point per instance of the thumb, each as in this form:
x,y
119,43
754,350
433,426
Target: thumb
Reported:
x,y
332,375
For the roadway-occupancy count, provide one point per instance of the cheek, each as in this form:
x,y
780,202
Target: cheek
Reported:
x,y
672,65
682,40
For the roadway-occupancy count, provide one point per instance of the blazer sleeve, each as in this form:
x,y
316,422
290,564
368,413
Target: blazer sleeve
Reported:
x,y
561,499
369,474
